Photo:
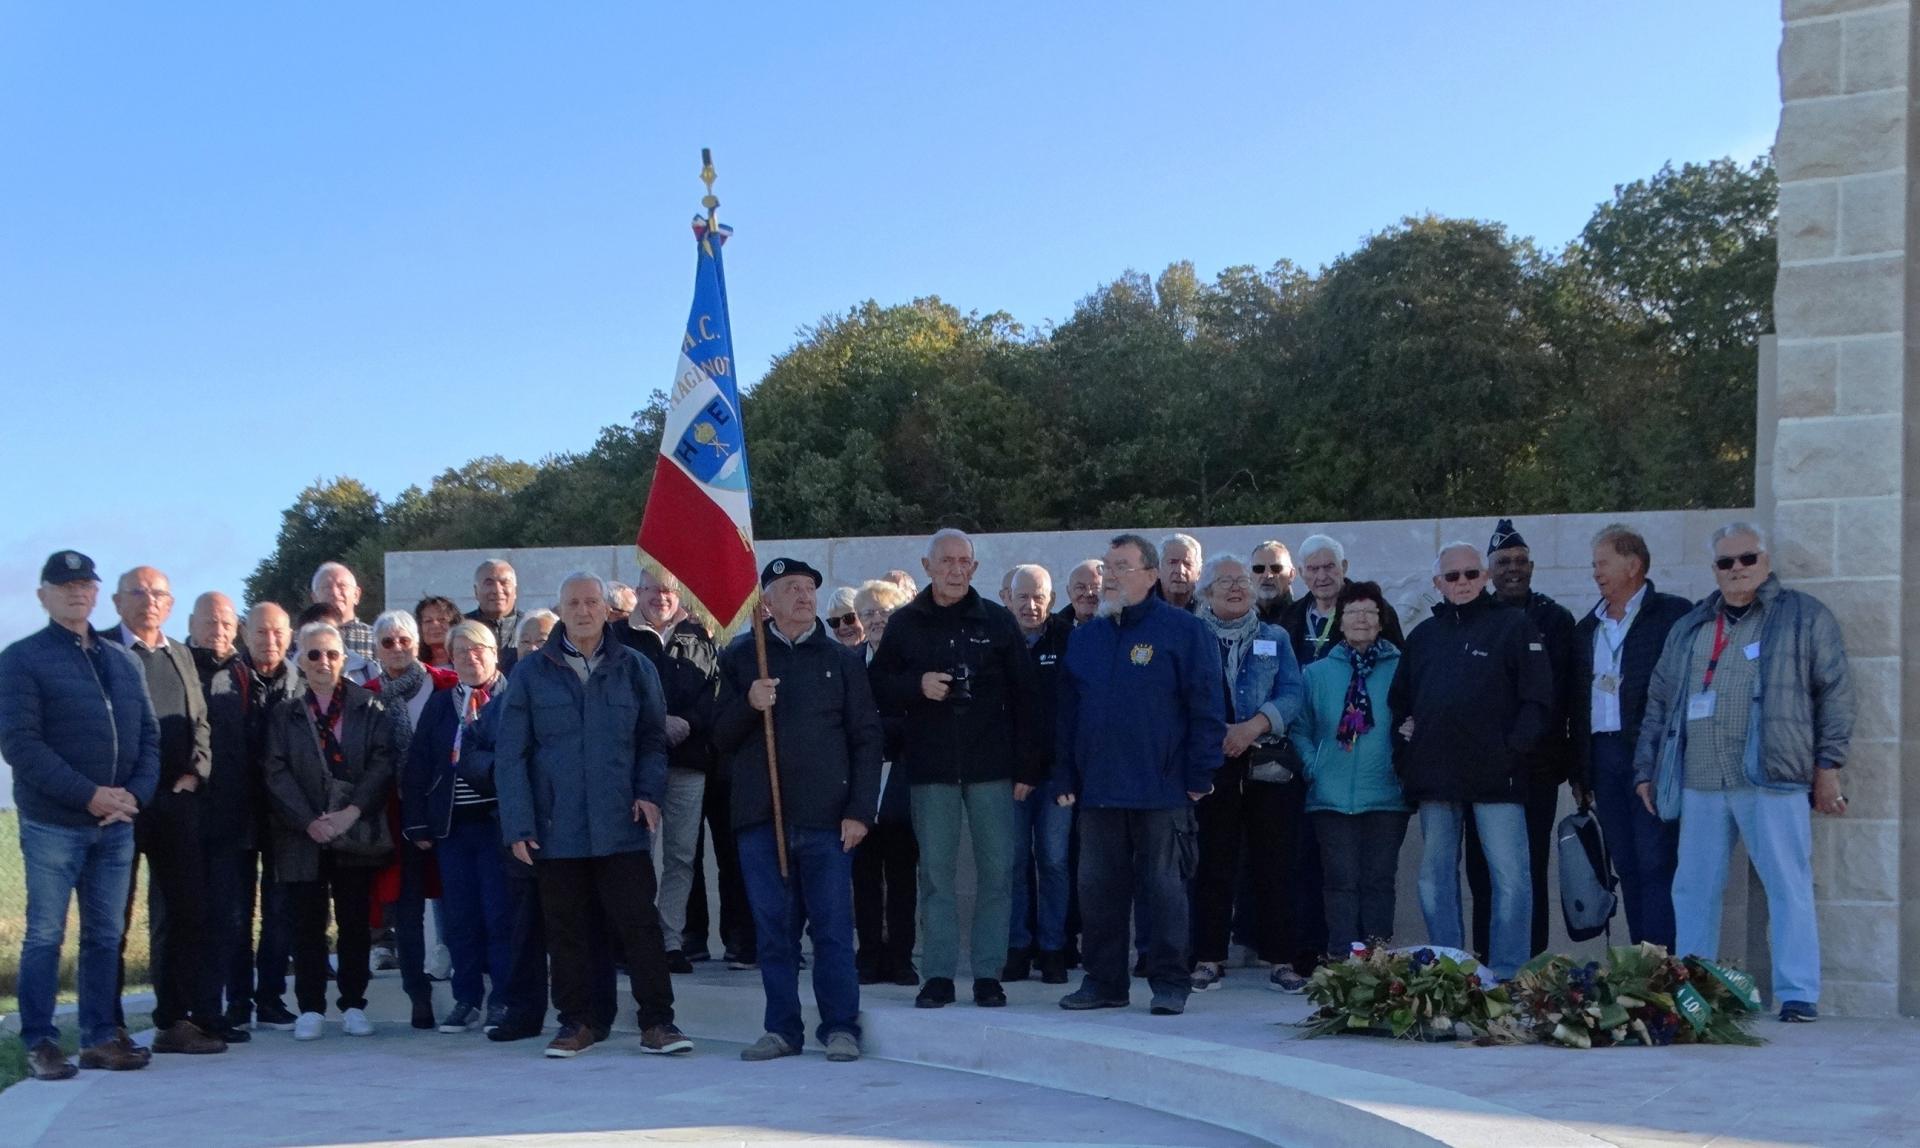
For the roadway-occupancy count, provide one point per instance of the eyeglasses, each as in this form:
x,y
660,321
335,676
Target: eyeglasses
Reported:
x,y
1232,583
1456,575
1273,568
325,655
396,642
1369,614
874,613
1122,570
1726,561
843,620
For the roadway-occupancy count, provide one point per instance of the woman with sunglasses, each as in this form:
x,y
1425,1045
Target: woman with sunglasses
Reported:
x,y
843,621
402,889
1477,691
330,762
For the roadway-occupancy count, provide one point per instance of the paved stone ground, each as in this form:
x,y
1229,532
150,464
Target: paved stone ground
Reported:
x,y
1839,1083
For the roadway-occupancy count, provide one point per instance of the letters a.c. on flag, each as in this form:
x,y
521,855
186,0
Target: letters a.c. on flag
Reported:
x,y
698,524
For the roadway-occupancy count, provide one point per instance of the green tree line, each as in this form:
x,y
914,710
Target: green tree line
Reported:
x,y
1443,367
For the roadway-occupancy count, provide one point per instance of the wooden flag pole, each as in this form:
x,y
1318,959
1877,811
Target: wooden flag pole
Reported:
x,y
773,760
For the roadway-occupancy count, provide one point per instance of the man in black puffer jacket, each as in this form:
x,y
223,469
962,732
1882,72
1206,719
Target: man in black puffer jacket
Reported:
x,y
955,666
827,740
1473,698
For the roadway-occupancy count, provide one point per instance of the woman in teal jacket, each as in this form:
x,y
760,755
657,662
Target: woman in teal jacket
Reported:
x,y
1345,735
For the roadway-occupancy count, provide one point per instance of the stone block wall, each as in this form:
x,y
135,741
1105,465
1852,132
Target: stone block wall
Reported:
x,y
1838,480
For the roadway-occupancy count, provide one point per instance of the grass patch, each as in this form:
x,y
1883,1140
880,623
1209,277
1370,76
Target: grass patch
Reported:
x,y
13,922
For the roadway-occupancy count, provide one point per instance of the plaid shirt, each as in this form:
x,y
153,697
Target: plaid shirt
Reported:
x,y
357,637
1716,746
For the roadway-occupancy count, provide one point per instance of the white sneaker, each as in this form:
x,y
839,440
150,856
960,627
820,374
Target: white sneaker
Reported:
x,y
356,1023
309,1026
440,965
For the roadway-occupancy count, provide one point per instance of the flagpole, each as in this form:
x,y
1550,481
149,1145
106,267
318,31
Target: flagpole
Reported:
x,y
712,204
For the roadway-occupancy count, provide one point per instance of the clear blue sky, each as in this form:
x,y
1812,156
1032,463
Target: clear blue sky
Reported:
x,y
243,246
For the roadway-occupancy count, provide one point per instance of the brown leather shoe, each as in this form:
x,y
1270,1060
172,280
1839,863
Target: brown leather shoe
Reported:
x,y
186,1036
125,1043
117,1053
664,1040
573,1040
45,1061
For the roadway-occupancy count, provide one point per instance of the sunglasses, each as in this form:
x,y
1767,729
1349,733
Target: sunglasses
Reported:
x,y
395,642
1726,561
1259,568
324,655
1456,575
843,620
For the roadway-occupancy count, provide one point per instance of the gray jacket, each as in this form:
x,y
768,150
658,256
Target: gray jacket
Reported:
x,y
1803,704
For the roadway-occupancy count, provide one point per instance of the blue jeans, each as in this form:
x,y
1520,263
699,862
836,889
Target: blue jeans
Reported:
x,y
1041,830
477,908
1503,838
97,863
1777,829
1644,849
821,875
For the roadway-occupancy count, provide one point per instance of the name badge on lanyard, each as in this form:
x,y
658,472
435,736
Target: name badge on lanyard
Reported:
x,y
1700,705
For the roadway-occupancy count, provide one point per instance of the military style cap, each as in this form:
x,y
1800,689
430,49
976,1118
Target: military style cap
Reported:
x,y
783,567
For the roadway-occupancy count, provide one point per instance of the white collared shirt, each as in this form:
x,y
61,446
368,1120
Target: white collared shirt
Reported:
x,y
132,643
1609,647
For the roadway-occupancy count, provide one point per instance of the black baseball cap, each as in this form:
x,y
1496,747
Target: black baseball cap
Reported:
x,y
784,567
64,566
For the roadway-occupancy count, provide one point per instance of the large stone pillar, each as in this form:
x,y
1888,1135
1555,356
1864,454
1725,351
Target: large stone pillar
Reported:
x,y
1844,476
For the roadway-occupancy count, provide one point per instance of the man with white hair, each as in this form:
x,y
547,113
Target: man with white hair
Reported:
x,y
1749,716
1477,689
336,586
497,590
1309,621
1180,562
228,810
580,766
954,666
1042,828
1083,593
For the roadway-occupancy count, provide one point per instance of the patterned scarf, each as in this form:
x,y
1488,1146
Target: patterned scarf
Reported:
x,y
1358,717
1236,638
323,723
398,692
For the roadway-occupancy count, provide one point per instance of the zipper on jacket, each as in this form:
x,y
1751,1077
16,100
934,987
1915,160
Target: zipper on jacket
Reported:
x,y
113,764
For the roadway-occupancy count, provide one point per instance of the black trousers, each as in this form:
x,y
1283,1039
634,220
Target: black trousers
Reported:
x,y
885,893
1361,854
1261,821
1124,852
621,886
276,938
177,902
1543,801
736,916
526,976
349,888
232,879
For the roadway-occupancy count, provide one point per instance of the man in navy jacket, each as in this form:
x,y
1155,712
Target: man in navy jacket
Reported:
x,y
1140,724
79,731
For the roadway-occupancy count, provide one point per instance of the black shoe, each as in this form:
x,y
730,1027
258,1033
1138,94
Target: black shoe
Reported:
x,y
601,1032
938,991
870,975
515,1028
1019,965
230,1032
698,955
987,993
1053,968
273,1015
1086,997
677,962
423,1014
905,974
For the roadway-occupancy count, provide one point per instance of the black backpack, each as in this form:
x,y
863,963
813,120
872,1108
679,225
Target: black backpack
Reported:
x,y
1587,883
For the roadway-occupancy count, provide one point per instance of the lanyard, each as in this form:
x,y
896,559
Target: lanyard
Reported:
x,y
1320,639
1626,623
1719,647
